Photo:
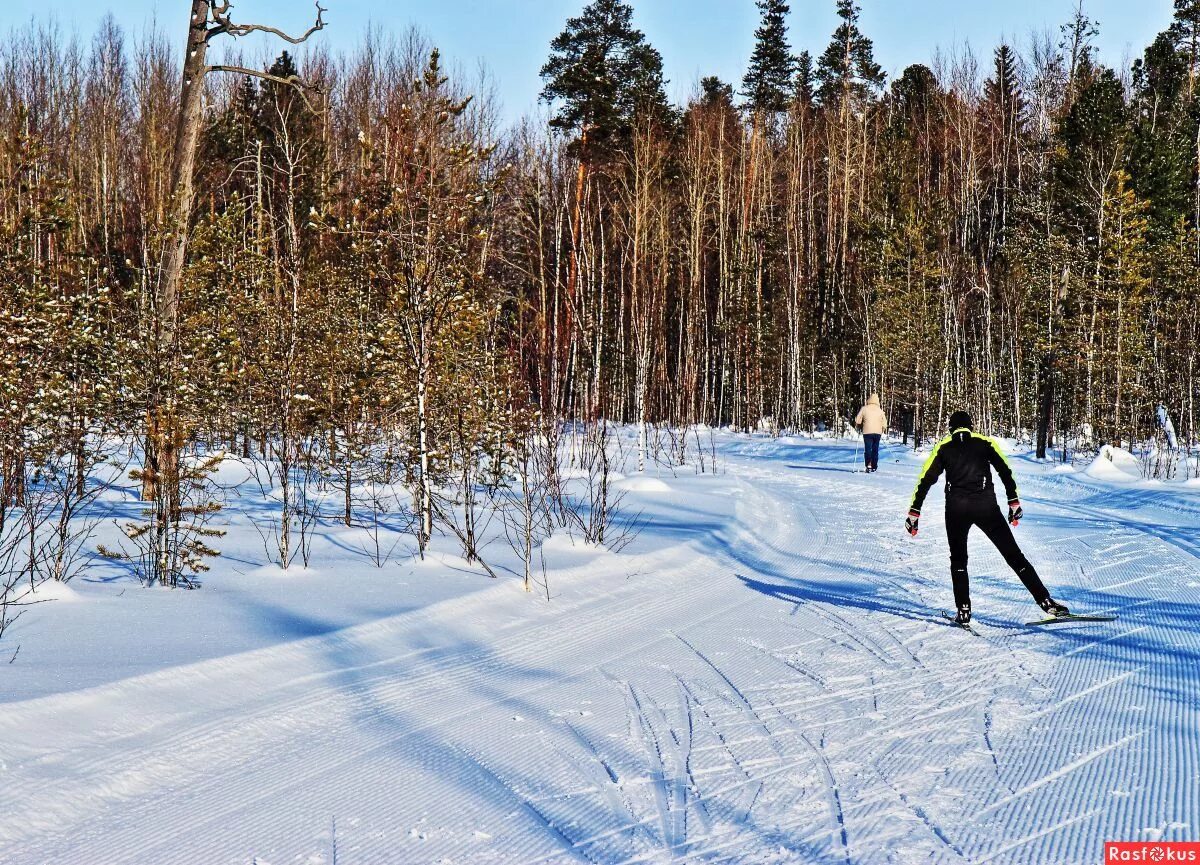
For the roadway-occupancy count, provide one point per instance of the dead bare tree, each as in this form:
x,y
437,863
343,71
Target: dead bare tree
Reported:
x,y
209,20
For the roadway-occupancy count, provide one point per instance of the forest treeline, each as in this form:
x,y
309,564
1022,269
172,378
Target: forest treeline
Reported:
x,y
368,262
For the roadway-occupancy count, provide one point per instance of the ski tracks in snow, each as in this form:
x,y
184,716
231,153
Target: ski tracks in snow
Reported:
x,y
1080,731
776,689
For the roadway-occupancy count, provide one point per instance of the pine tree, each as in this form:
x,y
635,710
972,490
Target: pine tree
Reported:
x,y
714,109
1002,89
805,80
1093,135
231,137
911,105
1163,138
769,82
1005,114
847,69
913,92
714,91
1076,43
1186,32
1125,266
601,74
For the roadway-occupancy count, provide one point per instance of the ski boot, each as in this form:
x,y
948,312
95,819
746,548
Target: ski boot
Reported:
x,y
1054,608
964,615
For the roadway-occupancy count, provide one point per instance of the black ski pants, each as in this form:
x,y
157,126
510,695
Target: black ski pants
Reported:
x,y
964,511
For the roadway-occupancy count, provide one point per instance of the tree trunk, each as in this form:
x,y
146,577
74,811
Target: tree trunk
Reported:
x,y
161,454
1045,404
425,503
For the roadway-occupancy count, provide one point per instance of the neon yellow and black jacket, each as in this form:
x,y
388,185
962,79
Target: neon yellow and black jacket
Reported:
x,y
967,458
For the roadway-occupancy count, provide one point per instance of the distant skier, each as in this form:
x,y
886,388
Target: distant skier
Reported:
x,y
873,422
967,459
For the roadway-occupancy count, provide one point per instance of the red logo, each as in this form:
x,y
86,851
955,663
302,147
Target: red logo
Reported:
x,y
1152,852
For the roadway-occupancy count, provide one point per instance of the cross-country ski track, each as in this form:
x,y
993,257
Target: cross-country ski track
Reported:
x,y
763,676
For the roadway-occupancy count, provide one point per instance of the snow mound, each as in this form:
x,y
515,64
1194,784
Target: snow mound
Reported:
x,y
642,485
1115,464
233,471
1064,469
53,590
568,556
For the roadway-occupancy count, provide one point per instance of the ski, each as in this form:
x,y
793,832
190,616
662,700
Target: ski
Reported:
x,y
1070,617
949,618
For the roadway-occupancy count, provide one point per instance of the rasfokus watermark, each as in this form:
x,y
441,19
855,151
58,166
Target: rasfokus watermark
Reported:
x,y
1152,851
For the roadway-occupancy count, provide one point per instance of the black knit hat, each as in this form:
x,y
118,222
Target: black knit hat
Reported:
x,y
960,420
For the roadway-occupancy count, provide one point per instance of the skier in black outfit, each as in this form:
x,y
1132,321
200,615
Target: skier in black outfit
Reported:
x,y
968,459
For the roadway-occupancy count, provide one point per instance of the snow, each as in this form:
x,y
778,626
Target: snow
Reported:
x,y
1011,446
51,590
642,485
1115,464
760,677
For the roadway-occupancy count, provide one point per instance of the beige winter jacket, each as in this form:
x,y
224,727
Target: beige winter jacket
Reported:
x,y
871,417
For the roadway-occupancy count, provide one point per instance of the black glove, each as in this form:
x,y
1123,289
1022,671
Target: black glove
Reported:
x,y
1014,512
914,517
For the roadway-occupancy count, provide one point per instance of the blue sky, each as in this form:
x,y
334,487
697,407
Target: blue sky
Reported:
x,y
696,37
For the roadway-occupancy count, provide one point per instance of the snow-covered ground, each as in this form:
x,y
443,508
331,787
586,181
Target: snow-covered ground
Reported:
x,y
762,676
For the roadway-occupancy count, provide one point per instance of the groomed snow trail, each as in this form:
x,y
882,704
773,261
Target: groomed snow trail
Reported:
x,y
763,679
